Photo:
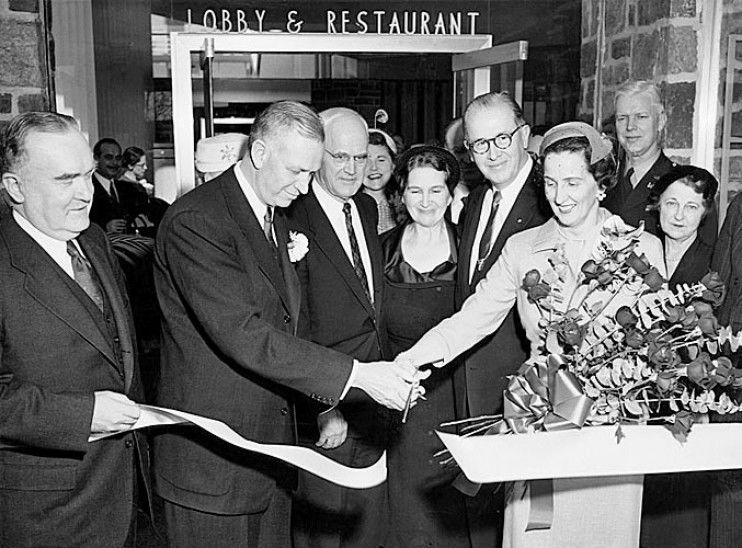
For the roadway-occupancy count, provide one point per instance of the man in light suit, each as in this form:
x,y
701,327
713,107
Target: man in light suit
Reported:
x,y
341,280
230,300
511,200
68,356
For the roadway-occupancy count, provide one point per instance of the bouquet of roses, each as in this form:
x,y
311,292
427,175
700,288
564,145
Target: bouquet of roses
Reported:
x,y
609,359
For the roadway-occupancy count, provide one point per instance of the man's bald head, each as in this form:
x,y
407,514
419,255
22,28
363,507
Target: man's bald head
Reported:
x,y
346,152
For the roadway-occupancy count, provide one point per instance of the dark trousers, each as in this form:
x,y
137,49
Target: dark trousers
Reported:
x,y
328,516
189,528
484,512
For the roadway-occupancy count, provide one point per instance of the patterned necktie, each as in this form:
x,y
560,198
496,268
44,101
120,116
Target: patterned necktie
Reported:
x,y
84,275
486,241
356,251
268,226
627,184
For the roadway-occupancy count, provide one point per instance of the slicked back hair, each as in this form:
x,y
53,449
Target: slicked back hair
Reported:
x,y
286,116
105,141
15,135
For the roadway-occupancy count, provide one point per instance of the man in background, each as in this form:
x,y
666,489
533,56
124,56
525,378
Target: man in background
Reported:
x,y
107,211
470,175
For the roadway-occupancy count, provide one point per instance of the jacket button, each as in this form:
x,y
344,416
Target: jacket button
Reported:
x,y
284,411
128,443
286,318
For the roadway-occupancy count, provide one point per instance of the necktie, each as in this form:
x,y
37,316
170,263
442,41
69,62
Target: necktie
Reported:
x,y
84,275
628,185
268,226
114,192
356,251
486,241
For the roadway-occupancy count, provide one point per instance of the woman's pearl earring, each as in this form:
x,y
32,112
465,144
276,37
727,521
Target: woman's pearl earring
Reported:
x,y
601,195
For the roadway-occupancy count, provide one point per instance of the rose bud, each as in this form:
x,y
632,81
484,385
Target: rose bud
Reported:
x,y
708,324
590,269
634,339
675,314
538,292
653,279
531,278
702,309
604,278
626,318
690,320
698,368
640,264
666,381
570,332
715,289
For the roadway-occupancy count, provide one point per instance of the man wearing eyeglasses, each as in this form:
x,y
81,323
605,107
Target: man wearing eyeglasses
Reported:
x,y
510,201
341,279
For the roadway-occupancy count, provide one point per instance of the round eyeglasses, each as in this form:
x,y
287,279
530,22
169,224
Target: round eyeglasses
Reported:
x,y
342,158
501,141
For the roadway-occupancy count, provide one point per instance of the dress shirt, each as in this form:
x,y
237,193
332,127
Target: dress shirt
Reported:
x,y
56,249
460,191
508,195
641,168
107,185
333,208
259,209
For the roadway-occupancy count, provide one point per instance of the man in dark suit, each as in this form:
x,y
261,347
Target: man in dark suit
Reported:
x,y
230,300
640,121
341,280
511,200
107,210
68,357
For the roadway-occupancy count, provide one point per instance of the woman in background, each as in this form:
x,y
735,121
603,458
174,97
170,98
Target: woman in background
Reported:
x,y
676,507
419,277
379,182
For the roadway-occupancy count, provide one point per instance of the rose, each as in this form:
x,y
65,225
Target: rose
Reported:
x,y
590,269
298,246
666,381
675,314
570,332
634,339
715,289
709,325
690,320
626,318
724,372
702,309
653,279
698,369
538,292
605,277
640,264
660,352
531,278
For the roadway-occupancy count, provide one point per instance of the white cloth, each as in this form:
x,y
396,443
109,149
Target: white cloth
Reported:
x,y
333,208
508,195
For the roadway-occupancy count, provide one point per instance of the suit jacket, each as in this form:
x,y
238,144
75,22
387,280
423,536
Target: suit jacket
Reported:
x,y
56,489
229,311
631,205
335,311
727,261
105,207
479,383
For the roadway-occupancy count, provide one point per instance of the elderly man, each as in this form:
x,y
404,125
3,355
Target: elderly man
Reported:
x,y
230,301
511,200
68,359
640,121
341,279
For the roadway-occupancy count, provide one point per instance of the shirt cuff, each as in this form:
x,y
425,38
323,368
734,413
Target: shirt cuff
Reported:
x,y
348,386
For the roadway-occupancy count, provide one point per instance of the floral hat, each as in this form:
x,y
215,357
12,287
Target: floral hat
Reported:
x,y
600,144
219,152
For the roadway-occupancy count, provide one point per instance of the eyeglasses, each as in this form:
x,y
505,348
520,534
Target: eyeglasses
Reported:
x,y
501,141
342,158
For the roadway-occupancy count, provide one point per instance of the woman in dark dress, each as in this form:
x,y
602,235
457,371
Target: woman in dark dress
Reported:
x,y
676,506
419,277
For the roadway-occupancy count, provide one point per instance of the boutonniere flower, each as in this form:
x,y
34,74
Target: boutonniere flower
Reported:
x,y
298,246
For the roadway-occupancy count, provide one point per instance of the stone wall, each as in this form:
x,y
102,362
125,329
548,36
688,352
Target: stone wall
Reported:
x,y
22,74
644,40
731,24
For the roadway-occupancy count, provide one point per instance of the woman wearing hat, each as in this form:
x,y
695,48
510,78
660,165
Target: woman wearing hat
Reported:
x,y
578,168
379,182
419,277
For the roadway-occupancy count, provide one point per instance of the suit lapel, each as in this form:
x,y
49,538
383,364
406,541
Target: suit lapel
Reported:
x,y
469,232
373,244
240,210
293,287
48,284
327,241
99,259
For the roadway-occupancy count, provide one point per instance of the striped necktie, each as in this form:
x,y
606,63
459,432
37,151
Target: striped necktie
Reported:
x,y
355,251
485,244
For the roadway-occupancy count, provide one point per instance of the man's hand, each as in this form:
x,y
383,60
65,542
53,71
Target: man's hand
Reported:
x,y
389,383
116,226
333,429
113,412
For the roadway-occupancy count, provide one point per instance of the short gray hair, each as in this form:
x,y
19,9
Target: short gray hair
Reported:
x,y
638,87
16,133
492,100
331,115
286,115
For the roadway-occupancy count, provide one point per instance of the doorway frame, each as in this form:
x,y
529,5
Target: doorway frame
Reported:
x,y
183,44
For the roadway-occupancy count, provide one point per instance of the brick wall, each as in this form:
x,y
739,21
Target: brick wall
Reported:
x,y
644,40
22,79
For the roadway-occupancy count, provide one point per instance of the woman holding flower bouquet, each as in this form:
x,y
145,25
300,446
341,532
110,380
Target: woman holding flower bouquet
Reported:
x,y
579,267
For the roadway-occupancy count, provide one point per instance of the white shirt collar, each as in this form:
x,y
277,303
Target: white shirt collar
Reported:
x,y
258,207
56,249
328,201
513,189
